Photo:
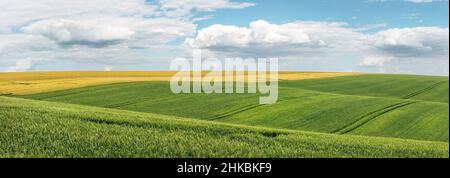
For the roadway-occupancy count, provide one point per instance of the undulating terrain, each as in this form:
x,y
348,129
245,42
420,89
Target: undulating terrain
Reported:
x,y
134,114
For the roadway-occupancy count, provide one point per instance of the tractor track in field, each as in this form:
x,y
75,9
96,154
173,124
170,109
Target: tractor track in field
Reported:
x,y
245,108
371,116
237,111
416,93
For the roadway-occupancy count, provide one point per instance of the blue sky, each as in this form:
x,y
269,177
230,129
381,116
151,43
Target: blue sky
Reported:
x,y
380,36
396,13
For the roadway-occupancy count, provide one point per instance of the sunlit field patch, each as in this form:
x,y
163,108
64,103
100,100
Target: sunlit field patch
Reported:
x,y
38,82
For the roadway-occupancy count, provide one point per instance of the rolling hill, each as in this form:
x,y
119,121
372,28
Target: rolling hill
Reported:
x,y
46,129
426,88
360,111
134,114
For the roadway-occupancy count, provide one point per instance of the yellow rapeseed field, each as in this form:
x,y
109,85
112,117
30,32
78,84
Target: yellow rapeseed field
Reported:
x,y
24,83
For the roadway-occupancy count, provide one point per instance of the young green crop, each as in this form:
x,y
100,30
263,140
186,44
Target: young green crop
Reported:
x,y
299,109
425,88
46,129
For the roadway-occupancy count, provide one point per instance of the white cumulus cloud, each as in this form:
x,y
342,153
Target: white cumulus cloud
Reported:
x,y
97,31
413,42
400,49
264,38
81,32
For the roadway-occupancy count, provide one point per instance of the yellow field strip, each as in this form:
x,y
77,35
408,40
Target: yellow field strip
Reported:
x,y
39,82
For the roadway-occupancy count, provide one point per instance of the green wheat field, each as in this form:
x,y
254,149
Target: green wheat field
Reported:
x,y
348,116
